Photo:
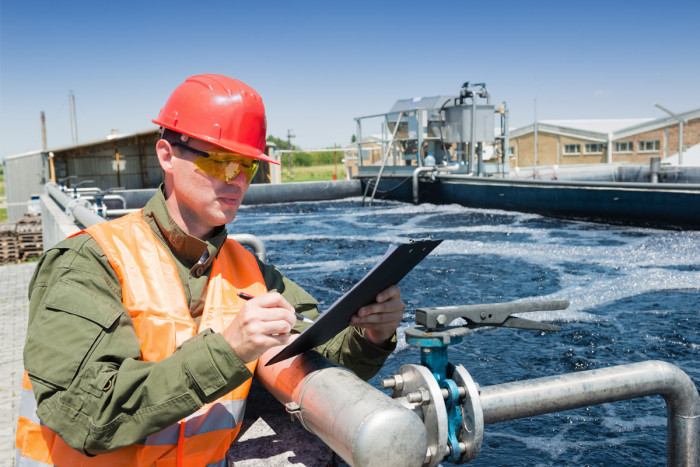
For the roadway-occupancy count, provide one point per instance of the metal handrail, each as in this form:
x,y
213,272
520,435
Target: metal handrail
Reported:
x,y
81,211
386,154
527,398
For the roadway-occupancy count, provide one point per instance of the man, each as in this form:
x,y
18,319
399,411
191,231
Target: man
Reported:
x,y
139,349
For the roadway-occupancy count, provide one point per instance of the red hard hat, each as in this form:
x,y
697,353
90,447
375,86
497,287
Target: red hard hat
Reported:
x,y
220,110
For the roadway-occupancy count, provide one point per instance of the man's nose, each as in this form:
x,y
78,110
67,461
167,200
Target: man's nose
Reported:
x,y
238,179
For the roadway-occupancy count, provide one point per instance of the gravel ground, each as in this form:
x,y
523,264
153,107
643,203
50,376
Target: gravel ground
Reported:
x,y
14,307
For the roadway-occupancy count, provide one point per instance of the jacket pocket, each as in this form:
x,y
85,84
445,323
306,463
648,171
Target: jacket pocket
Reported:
x,y
72,320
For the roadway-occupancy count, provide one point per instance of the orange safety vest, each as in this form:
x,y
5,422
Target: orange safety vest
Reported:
x,y
154,297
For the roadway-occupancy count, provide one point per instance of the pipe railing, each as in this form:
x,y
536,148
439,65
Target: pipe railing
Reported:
x,y
384,157
78,208
81,211
434,170
528,398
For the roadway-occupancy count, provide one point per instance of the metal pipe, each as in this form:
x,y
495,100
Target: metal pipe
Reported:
x,y
264,193
81,211
43,131
522,399
78,208
506,139
654,168
92,198
420,170
357,421
359,142
472,142
419,114
680,131
416,173
254,242
680,142
574,183
73,120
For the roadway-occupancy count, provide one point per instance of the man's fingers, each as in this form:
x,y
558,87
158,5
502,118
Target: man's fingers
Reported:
x,y
272,300
389,294
377,318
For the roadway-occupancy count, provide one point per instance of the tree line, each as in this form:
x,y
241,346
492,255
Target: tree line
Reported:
x,y
305,159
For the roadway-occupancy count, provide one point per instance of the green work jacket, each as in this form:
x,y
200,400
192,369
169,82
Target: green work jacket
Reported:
x,y
70,347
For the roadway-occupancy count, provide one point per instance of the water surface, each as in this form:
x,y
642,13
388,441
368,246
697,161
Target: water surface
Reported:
x,y
634,292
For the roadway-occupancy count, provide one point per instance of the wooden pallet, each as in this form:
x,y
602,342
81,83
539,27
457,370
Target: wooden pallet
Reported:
x,y
9,250
21,240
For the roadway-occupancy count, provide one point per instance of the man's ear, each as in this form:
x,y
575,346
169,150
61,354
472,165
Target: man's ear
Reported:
x,y
164,150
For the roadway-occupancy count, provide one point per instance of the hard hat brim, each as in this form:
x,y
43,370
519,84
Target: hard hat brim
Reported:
x,y
238,148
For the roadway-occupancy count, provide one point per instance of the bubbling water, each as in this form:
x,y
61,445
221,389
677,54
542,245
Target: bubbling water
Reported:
x,y
634,293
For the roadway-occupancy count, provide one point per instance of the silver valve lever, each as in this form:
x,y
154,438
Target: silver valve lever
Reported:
x,y
493,314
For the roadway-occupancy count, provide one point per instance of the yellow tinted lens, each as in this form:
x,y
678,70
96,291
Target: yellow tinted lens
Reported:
x,y
227,166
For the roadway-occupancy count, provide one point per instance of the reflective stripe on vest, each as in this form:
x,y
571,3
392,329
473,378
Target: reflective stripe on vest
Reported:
x,y
154,297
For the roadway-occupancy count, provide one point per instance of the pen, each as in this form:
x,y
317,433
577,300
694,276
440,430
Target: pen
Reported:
x,y
299,316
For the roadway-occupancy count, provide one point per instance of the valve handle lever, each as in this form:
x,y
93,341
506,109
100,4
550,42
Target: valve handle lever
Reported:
x,y
493,314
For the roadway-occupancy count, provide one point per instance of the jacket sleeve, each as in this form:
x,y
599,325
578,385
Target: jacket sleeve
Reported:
x,y
349,347
83,357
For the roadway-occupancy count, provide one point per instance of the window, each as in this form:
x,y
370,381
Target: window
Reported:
x,y
649,146
594,148
622,146
511,150
572,149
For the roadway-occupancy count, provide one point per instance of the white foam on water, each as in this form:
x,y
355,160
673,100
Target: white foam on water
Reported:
x,y
627,261
595,266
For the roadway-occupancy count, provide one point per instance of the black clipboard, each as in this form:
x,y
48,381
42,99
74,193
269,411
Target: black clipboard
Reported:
x,y
394,265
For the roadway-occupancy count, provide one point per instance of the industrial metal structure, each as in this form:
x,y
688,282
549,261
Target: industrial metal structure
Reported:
x,y
443,130
438,145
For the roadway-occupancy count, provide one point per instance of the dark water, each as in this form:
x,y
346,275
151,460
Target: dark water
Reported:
x,y
635,296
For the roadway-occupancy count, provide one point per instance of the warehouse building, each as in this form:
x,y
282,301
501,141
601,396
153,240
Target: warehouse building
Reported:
x,y
126,161
571,142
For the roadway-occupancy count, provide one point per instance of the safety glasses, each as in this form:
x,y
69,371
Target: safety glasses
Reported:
x,y
221,164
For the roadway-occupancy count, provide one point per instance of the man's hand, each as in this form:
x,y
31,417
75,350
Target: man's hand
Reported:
x,y
263,322
381,319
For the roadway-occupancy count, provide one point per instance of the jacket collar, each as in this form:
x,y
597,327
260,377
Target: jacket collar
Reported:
x,y
188,248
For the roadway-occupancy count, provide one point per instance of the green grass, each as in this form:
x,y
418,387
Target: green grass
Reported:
x,y
314,173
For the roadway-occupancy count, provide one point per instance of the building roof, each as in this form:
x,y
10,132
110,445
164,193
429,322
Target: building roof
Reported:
x,y
691,156
599,125
110,141
601,129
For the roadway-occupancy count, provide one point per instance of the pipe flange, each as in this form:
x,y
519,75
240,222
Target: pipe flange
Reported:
x,y
74,203
417,378
472,433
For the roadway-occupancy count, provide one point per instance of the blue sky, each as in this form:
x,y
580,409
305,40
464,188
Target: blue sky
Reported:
x,y
319,64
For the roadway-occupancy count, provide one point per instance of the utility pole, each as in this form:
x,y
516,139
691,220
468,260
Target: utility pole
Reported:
x,y
535,132
335,157
680,131
43,131
74,124
290,135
